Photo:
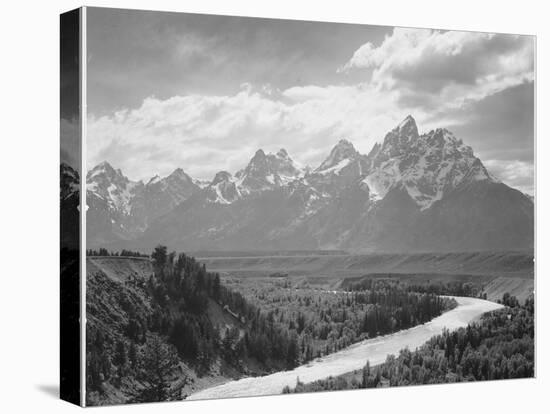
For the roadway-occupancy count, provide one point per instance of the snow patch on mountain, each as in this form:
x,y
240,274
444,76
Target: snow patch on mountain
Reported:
x,y
154,180
427,166
112,186
343,151
70,181
222,189
335,169
264,172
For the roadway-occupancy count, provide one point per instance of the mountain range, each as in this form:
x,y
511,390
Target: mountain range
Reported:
x,y
411,192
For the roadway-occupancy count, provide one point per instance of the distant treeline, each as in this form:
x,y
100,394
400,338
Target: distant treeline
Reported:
x,y
452,288
500,346
104,252
449,288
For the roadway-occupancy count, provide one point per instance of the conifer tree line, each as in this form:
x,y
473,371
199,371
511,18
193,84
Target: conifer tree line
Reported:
x,y
450,288
104,252
500,346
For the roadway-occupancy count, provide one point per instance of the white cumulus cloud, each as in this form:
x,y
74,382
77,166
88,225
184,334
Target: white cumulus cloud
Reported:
x,y
429,66
204,134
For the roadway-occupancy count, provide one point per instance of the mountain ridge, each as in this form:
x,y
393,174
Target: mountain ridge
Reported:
x,y
389,199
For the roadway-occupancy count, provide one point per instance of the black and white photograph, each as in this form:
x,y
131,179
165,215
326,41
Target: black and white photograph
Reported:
x,y
254,207
282,206
275,207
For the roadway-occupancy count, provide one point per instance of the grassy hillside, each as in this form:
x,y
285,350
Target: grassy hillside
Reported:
x,y
120,268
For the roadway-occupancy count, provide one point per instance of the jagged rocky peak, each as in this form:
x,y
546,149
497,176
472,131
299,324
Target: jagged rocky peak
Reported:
x,y
259,156
113,186
442,137
69,172
271,161
70,180
478,172
283,165
400,139
221,176
428,166
179,175
341,154
265,171
104,175
375,150
222,189
408,127
103,178
282,153
102,168
178,172
154,180
258,165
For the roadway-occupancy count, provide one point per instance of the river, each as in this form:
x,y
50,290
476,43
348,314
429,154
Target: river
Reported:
x,y
353,357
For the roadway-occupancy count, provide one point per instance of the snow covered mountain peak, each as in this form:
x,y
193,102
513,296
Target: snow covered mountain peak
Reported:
x,y
179,177
222,176
478,172
161,194
282,153
406,129
70,181
407,121
222,189
398,141
124,207
104,170
427,166
267,171
178,172
341,155
154,180
112,186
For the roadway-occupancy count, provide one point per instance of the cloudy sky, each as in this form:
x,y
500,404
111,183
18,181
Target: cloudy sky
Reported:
x,y
203,93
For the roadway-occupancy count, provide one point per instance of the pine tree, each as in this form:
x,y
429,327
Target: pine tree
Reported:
x,y
158,365
366,375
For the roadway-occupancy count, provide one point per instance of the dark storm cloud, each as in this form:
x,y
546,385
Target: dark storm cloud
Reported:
x,y
135,54
435,70
500,128
70,142
70,88
501,125
69,64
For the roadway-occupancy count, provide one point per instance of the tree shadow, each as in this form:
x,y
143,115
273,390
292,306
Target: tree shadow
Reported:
x,y
49,389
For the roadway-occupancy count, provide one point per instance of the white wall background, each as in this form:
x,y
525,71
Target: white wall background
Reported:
x,y
29,143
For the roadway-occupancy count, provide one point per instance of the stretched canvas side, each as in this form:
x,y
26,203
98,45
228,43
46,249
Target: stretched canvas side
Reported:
x,y
71,304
